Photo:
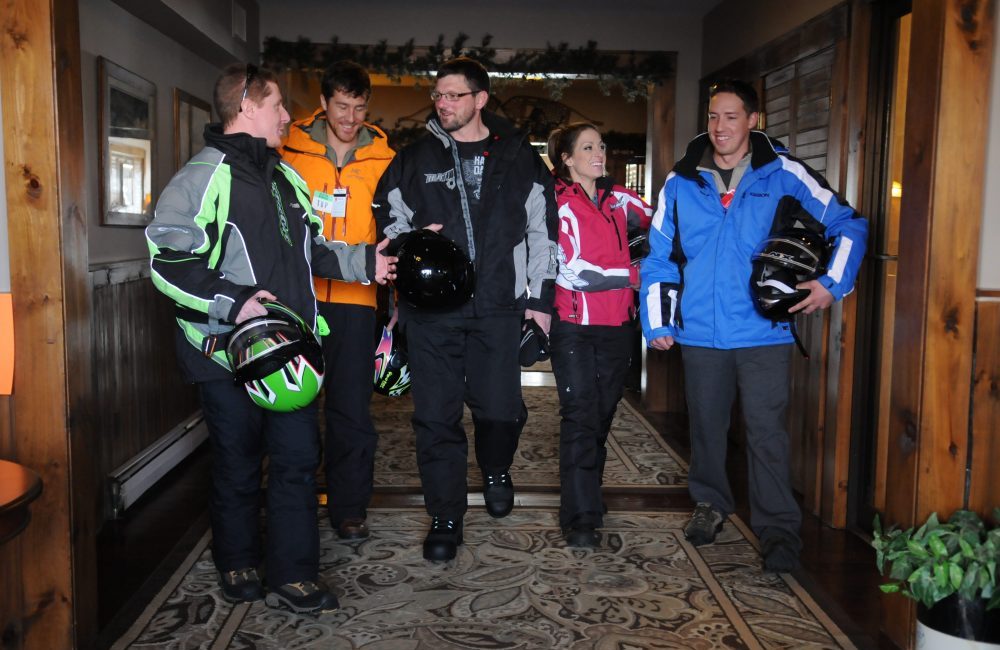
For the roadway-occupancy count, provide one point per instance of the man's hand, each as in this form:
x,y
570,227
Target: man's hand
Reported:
x,y
819,297
252,306
662,343
385,265
436,227
544,320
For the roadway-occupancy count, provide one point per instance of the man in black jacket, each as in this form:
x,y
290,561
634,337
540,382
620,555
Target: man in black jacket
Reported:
x,y
234,227
477,177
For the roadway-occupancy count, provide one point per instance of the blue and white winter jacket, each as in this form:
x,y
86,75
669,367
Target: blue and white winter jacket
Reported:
x,y
696,279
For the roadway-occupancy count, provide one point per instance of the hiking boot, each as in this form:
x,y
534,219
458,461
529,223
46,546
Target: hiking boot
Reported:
x,y
443,539
352,529
305,596
780,552
582,536
498,492
705,523
242,586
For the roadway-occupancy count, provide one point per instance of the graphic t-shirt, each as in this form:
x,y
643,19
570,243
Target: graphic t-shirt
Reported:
x,y
473,157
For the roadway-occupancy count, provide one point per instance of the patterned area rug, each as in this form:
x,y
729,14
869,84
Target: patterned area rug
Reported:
x,y
514,585
637,455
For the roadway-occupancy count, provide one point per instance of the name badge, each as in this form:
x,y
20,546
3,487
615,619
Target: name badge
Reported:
x,y
339,207
322,202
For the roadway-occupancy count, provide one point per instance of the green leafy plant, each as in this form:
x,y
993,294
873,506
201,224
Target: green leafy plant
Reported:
x,y
939,559
632,72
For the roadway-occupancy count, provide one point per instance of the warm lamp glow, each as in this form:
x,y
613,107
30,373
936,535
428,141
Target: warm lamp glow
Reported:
x,y
897,190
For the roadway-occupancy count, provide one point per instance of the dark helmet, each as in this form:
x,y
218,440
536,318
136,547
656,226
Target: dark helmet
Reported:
x,y
432,271
392,374
534,343
782,261
278,358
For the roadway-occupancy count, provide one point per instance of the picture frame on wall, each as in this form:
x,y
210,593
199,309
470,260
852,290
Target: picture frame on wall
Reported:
x,y
127,110
191,114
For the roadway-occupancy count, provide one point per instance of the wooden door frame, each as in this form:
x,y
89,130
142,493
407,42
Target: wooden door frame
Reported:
x,y
54,559
948,102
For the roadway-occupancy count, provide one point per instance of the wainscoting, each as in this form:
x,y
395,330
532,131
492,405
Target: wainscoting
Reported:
x,y
138,394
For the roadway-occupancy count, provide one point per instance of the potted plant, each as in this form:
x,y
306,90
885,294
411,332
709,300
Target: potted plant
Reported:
x,y
950,569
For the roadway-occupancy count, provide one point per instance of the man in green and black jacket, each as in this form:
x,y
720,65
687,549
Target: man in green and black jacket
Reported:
x,y
234,226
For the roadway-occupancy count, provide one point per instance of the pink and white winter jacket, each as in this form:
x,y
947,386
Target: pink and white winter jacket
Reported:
x,y
594,285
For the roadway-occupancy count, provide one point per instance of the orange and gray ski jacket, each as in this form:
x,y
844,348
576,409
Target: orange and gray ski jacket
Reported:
x,y
359,176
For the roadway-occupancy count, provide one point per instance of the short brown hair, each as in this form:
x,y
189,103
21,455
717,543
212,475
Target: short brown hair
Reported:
x,y
475,74
229,89
741,89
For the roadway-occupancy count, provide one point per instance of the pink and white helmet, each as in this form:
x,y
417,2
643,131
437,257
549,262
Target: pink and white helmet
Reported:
x,y
392,375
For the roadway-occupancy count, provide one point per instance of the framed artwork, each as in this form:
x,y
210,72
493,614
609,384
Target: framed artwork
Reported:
x,y
190,117
128,145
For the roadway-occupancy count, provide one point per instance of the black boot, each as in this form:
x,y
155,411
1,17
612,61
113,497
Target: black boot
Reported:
x,y
498,492
443,539
242,586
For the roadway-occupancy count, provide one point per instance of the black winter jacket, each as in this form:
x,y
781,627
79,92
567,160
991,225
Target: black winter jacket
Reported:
x,y
513,241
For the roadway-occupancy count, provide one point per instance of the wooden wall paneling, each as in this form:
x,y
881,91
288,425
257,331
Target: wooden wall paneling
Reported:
x,y
797,101
817,34
805,411
133,331
845,157
662,383
944,156
47,234
778,99
984,488
85,482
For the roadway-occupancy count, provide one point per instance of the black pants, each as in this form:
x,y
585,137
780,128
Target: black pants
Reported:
x,y
350,438
711,378
241,433
455,359
589,362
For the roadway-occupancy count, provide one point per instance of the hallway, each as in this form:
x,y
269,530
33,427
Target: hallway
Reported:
x,y
154,538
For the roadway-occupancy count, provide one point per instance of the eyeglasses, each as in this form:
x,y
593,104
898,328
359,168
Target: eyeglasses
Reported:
x,y
451,97
251,73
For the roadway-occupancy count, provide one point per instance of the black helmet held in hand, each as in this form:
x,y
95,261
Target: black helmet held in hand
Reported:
x,y
432,272
782,261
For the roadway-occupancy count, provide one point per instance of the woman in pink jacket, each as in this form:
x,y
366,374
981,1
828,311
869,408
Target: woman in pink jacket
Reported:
x,y
593,326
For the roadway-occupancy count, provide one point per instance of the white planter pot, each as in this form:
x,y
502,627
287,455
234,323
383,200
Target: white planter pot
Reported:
x,y
929,639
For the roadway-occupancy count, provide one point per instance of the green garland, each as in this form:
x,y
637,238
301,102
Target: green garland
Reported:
x,y
631,72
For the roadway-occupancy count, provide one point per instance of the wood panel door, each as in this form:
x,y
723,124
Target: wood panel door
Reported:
x,y
877,287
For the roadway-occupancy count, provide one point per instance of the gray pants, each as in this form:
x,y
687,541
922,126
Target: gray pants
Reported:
x,y
712,378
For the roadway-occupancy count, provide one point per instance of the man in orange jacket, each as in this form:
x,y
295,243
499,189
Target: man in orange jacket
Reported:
x,y
341,158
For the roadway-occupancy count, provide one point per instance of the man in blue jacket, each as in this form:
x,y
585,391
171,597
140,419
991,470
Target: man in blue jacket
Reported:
x,y
732,187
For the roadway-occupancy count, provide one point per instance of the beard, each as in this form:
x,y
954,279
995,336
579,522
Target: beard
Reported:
x,y
455,121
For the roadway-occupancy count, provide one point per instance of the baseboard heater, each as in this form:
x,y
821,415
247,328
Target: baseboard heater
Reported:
x,y
143,470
